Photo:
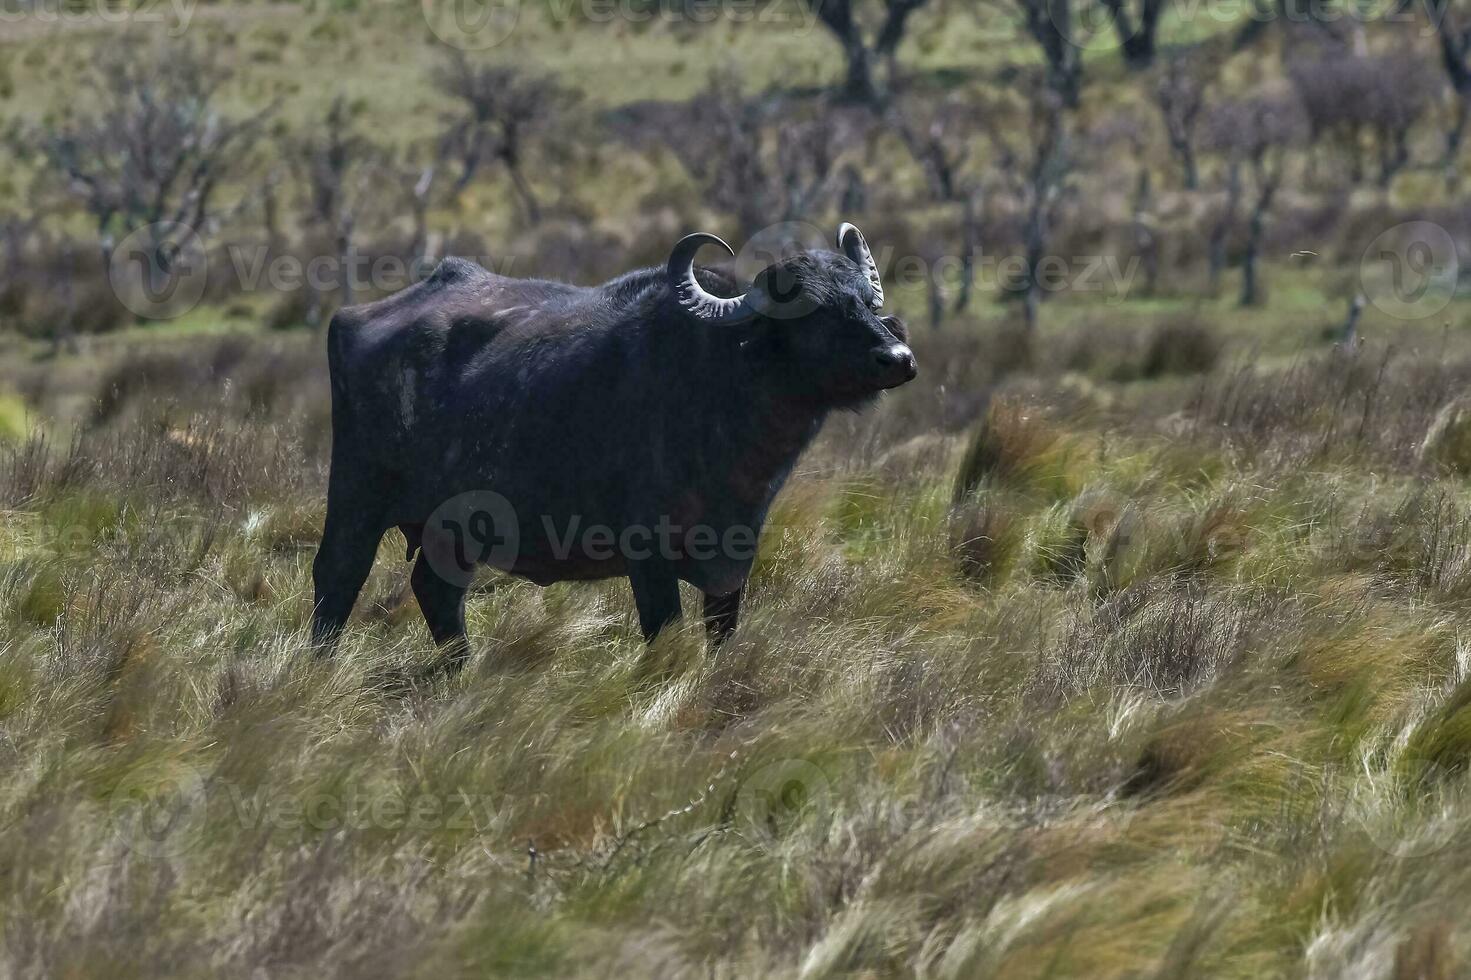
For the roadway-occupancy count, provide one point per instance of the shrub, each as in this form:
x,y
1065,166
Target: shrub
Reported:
x,y
295,308
42,598
14,422
1015,446
986,538
1180,347
1110,350
1447,444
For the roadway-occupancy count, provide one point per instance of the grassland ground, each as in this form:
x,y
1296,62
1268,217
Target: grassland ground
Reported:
x,y
1050,670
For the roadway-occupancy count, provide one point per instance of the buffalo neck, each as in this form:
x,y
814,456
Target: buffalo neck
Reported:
x,y
767,432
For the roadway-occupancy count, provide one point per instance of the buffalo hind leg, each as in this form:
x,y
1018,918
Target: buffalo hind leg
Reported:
x,y
722,613
443,606
343,562
655,593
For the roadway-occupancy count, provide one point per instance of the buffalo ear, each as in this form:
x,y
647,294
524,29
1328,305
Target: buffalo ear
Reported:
x,y
896,327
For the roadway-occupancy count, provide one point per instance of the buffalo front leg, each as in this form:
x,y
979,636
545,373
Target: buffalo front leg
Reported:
x,y
655,593
349,543
443,604
722,613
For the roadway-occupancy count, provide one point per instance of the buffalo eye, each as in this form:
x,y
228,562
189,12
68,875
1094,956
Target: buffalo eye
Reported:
x,y
896,327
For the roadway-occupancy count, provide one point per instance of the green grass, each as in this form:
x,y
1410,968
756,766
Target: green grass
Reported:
x,y
1193,718
15,423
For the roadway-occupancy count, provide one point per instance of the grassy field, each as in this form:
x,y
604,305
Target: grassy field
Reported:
x,y
1157,677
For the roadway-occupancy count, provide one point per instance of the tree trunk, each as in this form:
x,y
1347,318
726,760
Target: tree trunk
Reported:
x,y
1221,232
855,194
1182,146
344,252
1453,51
1036,249
1191,168
1146,243
529,205
1137,41
859,85
419,195
1256,230
64,337
1454,137
969,243
1258,22
886,45
1139,52
837,17
1049,23
1355,155
1348,332
270,215
313,315
1249,296
1394,154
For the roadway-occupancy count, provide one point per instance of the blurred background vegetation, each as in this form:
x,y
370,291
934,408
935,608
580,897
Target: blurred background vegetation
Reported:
x,y
1226,159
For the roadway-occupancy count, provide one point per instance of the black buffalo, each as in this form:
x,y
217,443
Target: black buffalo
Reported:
x,y
639,428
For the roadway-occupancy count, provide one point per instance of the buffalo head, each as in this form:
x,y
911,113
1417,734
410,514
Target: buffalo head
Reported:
x,y
816,316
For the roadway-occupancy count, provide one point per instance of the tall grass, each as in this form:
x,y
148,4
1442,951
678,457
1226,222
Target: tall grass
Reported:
x,y
1101,680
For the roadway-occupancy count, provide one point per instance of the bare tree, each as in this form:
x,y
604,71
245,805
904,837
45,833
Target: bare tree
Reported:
x,y
1030,164
1051,24
504,115
1136,29
1061,30
147,147
940,139
270,204
337,165
1402,97
418,184
757,159
943,137
1220,234
1037,161
1051,165
1180,97
724,152
1300,20
806,161
17,232
1255,133
863,46
50,288
1348,97
1127,128
971,219
1455,58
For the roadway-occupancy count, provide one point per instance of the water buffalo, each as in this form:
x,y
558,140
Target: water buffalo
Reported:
x,y
639,428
